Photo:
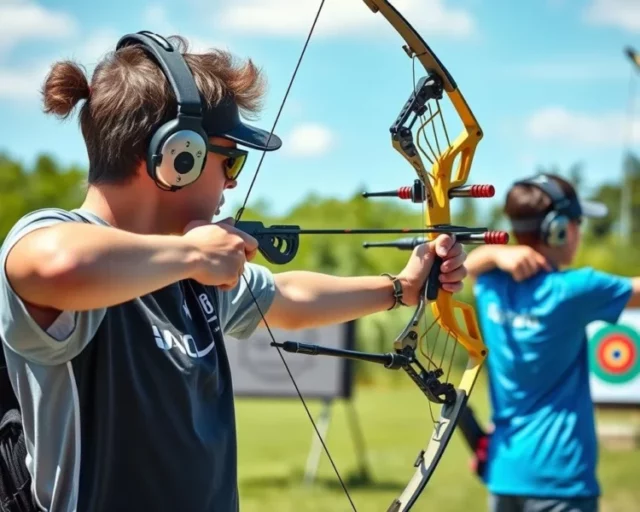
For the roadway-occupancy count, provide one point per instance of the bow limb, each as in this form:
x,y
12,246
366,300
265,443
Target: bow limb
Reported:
x,y
456,319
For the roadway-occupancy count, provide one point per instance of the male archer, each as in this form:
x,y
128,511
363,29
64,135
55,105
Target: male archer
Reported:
x,y
112,315
533,311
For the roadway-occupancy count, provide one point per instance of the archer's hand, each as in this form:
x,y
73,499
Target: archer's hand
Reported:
x,y
452,272
521,261
223,250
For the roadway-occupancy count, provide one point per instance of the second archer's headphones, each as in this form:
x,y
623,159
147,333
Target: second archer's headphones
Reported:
x,y
554,224
178,149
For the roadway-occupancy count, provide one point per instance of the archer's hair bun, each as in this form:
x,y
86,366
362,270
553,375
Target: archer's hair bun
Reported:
x,y
65,85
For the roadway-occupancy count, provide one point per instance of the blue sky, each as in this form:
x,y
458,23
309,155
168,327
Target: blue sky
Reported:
x,y
547,80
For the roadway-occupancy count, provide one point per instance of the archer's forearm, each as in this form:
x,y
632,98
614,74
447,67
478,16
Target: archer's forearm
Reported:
x,y
73,266
481,260
310,299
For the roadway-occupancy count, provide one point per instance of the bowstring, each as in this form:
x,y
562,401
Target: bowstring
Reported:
x,y
255,301
284,100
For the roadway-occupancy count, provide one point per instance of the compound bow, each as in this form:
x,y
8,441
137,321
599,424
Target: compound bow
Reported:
x,y
433,188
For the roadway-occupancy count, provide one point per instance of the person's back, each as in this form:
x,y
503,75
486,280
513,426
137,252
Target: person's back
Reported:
x,y
533,315
539,378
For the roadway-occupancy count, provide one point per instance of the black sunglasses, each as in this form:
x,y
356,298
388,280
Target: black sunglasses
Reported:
x,y
234,162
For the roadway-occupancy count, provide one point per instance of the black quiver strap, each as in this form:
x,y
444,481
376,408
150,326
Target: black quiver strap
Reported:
x,y
15,481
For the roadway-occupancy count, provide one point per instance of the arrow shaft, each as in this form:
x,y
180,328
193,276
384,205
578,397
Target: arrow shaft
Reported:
x,y
293,231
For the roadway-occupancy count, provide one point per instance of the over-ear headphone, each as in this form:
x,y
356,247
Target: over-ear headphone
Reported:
x,y
553,226
177,150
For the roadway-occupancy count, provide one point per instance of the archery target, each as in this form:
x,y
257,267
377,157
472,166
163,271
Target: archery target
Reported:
x,y
614,359
615,354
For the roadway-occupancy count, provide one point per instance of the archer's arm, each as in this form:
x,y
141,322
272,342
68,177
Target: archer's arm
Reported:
x,y
480,261
521,261
310,299
78,267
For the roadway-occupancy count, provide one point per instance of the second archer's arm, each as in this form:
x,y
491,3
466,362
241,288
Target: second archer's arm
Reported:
x,y
521,261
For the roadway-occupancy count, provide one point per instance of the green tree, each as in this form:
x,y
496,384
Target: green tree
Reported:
x,y
23,190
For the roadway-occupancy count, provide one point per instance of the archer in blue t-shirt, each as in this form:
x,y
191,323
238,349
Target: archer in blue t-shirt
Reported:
x,y
533,317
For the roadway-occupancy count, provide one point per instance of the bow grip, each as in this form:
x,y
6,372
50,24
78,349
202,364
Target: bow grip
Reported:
x,y
433,281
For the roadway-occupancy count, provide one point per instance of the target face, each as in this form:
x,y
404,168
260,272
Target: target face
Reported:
x,y
614,353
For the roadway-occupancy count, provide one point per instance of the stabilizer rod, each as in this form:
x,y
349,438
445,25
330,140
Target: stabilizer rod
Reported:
x,y
388,360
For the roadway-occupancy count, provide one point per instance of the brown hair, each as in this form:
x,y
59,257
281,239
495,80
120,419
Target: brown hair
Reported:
x,y
527,201
129,98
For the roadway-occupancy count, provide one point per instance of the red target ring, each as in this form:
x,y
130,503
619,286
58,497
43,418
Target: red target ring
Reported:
x,y
616,353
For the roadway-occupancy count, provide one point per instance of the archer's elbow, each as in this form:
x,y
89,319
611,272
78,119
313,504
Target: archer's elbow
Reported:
x,y
42,269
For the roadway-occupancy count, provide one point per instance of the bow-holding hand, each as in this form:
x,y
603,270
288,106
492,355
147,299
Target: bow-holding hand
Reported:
x,y
414,275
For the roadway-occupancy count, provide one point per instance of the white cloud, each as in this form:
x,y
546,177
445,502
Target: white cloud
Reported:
x,y
558,124
624,14
23,20
157,19
97,45
22,83
340,17
309,139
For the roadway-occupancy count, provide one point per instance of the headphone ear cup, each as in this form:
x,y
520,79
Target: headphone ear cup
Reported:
x,y
556,230
176,156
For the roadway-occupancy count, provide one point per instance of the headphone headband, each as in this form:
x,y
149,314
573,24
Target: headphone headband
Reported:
x,y
177,150
175,69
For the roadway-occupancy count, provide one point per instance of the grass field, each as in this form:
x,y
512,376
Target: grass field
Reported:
x,y
275,436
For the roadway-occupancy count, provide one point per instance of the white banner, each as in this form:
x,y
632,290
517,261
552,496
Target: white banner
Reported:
x,y
258,370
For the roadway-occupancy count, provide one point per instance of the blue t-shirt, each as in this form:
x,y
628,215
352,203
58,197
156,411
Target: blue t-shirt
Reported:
x,y
544,443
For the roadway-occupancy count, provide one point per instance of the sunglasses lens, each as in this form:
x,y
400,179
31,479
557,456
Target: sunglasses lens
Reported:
x,y
233,166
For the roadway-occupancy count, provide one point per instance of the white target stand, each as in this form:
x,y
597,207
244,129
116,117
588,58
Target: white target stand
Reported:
x,y
323,421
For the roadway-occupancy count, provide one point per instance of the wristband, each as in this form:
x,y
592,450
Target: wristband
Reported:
x,y
397,291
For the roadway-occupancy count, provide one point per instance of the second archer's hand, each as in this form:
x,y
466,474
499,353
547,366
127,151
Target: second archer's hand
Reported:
x,y
416,272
